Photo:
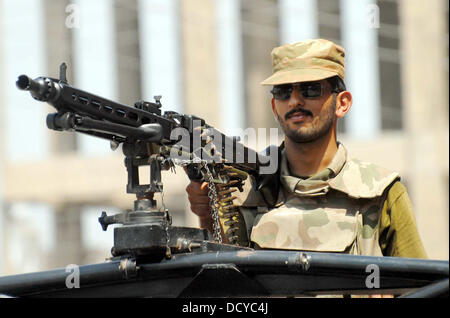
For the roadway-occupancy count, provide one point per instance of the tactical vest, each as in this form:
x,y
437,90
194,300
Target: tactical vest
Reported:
x,y
336,210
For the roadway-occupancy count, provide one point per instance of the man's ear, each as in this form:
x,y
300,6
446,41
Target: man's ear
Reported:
x,y
274,110
344,102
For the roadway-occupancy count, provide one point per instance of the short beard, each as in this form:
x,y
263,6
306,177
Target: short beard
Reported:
x,y
313,133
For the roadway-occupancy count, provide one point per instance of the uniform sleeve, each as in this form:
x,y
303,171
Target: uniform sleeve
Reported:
x,y
399,235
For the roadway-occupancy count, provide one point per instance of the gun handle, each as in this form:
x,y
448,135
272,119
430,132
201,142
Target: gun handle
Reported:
x,y
194,172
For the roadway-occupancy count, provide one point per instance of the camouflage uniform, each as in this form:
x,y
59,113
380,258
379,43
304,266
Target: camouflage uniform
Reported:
x,y
338,209
349,207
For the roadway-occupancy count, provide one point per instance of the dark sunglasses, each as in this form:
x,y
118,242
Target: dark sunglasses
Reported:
x,y
308,90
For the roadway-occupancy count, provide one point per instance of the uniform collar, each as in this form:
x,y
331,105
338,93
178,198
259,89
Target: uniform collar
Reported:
x,y
316,184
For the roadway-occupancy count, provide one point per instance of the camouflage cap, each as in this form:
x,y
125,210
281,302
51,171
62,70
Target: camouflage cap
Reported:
x,y
310,60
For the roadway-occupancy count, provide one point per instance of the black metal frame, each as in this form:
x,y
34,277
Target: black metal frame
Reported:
x,y
239,273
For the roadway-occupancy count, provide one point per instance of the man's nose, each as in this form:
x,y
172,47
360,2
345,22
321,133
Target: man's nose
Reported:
x,y
296,98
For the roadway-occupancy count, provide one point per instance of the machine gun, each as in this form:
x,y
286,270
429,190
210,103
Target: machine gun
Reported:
x,y
150,138
168,261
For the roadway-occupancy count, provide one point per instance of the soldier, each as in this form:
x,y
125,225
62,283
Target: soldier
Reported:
x,y
319,200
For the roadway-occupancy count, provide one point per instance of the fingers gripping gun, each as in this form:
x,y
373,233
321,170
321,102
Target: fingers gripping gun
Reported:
x,y
148,138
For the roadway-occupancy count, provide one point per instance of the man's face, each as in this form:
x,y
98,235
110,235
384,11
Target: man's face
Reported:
x,y
306,119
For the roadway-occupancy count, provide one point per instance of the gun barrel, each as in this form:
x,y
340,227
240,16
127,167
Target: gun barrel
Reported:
x,y
41,88
26,84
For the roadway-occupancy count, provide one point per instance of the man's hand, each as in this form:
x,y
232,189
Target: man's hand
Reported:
x,y
200,203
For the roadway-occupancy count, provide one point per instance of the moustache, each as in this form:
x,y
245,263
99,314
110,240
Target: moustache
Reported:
x,y
298,110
